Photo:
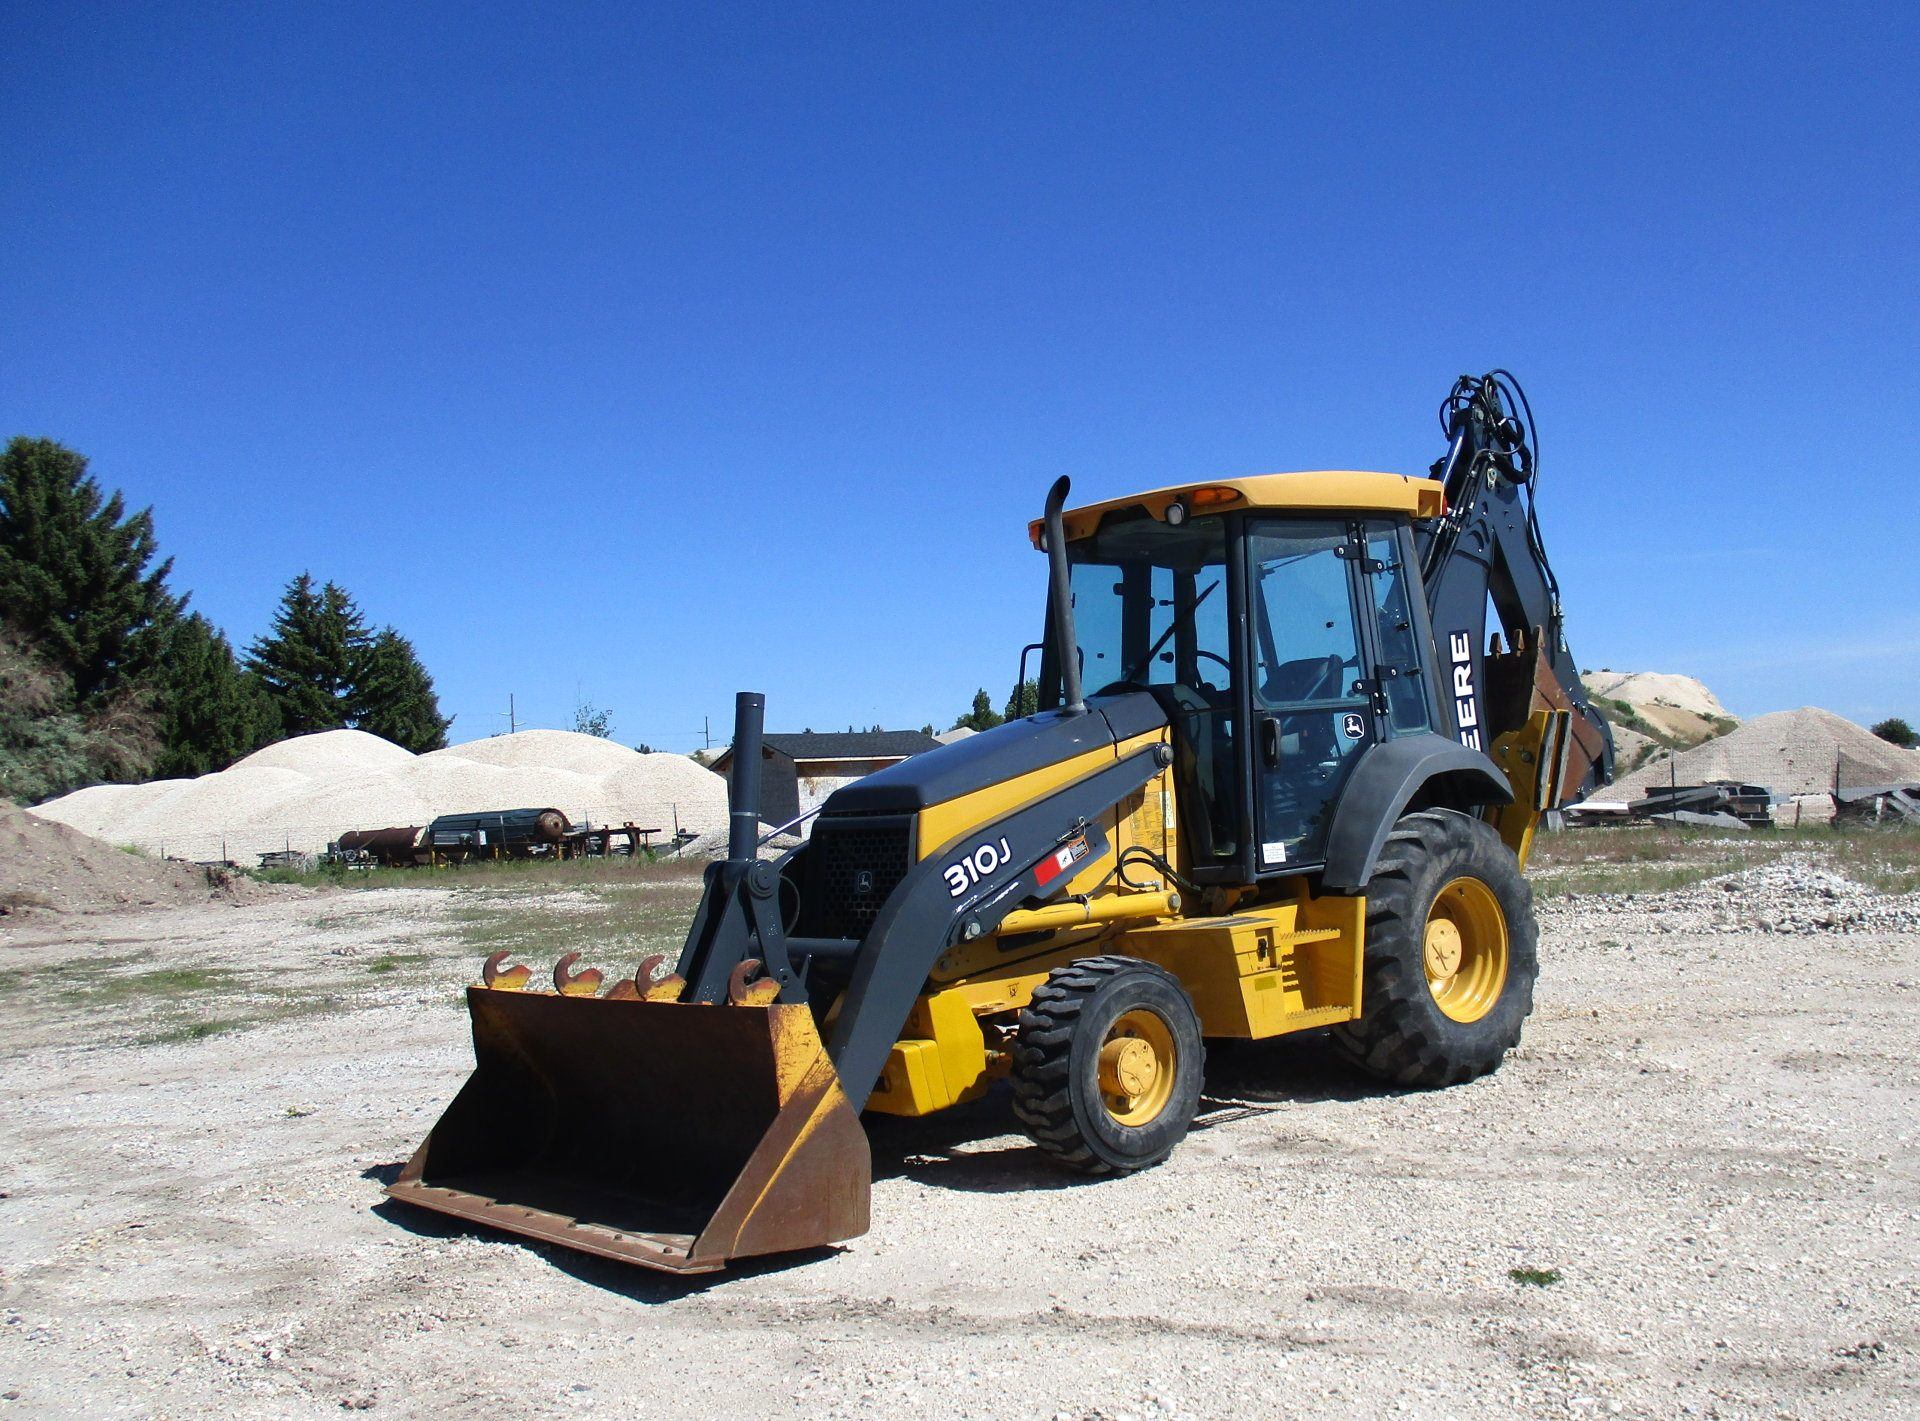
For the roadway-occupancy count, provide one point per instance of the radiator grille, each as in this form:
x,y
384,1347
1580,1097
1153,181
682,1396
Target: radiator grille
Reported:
x,y
853,864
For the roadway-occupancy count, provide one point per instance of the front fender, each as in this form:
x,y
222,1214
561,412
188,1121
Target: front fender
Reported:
x,y
923,917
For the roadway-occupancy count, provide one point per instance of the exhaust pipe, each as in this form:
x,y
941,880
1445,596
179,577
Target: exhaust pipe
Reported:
x,y
1060,594
743,785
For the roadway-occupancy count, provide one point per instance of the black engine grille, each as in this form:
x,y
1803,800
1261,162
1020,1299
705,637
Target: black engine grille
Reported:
x,y
853,864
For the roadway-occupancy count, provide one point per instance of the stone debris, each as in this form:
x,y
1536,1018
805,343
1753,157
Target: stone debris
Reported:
x,y
1792,896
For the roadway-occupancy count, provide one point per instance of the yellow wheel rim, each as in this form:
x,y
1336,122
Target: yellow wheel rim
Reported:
x,y
1465,949
1137,1064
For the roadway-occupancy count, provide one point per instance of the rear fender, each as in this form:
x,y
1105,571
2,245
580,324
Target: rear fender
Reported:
x,y
1388,777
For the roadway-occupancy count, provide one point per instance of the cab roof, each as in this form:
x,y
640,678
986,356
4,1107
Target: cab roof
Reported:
x,y
1322,490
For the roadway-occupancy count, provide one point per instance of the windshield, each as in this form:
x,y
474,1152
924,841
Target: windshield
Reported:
x,y
1150,605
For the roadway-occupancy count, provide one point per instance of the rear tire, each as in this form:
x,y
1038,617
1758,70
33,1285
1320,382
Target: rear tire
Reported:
x,y
1107,1065
1451,954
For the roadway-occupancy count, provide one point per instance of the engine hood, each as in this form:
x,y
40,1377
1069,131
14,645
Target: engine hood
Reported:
x,y
995,756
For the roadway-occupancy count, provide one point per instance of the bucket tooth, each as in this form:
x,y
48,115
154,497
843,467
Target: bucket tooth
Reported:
x,y
744,991
568,983
656,985
501,978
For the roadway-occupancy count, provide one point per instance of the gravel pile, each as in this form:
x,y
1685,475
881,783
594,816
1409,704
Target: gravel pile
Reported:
x,y
713,844
1793,897
1793,753
304,792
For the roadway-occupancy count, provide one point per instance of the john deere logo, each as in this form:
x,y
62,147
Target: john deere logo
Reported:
x,y
863,881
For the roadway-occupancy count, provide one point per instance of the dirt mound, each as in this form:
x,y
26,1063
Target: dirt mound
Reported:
x,y
51,868
1657,705
1656,688
1796,753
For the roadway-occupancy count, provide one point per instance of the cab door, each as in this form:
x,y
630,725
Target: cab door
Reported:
x,y
1314,702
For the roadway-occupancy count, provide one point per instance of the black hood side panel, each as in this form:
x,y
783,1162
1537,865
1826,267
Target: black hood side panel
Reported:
x,y
994,756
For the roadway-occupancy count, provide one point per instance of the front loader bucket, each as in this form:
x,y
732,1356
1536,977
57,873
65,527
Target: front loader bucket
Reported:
x,y
672,1135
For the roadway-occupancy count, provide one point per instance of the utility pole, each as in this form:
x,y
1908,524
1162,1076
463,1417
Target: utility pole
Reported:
x,y
706,731
512,724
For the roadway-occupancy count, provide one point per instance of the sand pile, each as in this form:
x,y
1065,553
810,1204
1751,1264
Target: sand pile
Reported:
x,y
304,792
1680,708
49,867
1793,753
1655,688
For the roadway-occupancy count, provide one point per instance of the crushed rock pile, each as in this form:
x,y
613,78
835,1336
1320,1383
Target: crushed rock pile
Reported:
x,y
1793,753
304,792
1793,896
50,867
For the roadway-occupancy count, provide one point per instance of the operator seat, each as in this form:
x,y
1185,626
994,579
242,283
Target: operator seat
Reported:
x,y
1311,678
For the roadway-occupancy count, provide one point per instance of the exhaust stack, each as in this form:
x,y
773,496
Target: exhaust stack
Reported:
x,y
1060,593
743,784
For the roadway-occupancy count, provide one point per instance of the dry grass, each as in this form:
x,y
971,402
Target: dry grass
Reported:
x,y
1661,858
121,999
611,926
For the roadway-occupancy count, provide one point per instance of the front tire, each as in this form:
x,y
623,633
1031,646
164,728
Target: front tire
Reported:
x,y
1107,1065
1451,954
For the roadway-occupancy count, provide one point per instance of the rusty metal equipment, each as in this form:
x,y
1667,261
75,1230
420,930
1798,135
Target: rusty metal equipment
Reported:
x,y
398,847
496,834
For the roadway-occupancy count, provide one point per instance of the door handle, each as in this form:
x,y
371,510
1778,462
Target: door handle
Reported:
x,y
1270,741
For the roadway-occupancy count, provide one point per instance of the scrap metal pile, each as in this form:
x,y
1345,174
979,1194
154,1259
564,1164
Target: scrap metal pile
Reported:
x,y
1720,804
1879,804
491,835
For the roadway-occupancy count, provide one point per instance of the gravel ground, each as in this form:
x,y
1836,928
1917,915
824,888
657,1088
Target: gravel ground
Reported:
x,y
1708,1135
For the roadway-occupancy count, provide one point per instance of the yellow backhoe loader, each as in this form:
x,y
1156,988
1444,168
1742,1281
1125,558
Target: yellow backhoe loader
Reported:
x,y
1284,778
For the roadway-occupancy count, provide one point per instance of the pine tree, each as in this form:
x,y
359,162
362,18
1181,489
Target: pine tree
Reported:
x,y
312,660
393,696
982,716
47,745
212,711
1024,701
77,573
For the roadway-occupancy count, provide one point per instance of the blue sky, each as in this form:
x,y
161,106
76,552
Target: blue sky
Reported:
x,y
645,353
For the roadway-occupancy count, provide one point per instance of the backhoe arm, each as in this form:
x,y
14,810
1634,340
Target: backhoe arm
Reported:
x,y
1503,682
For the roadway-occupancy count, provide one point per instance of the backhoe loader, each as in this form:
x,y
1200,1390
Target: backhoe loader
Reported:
x,y
1296,734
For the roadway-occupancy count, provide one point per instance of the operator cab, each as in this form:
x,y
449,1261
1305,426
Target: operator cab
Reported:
x,y
1281,642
